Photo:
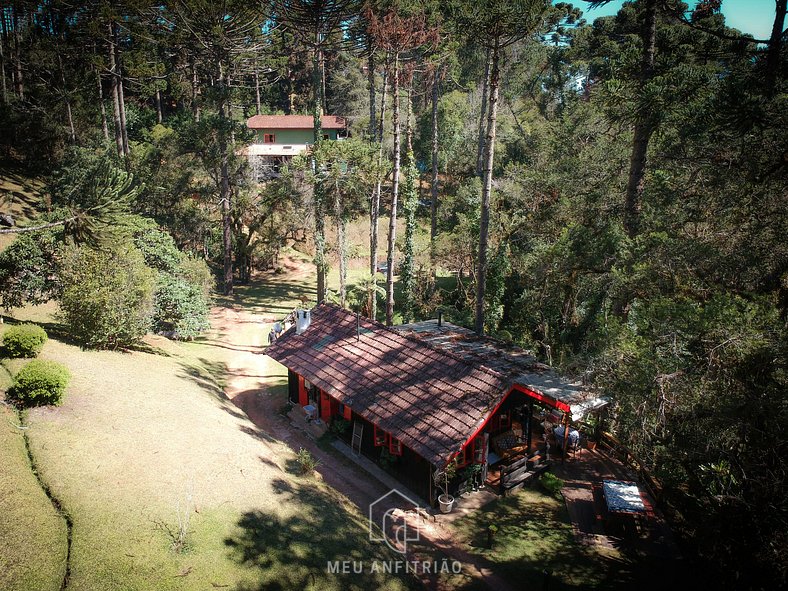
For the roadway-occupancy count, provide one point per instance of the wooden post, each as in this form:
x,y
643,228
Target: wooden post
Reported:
x,y
528,426
566,437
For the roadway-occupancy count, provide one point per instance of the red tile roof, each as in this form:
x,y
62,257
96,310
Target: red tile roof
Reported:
x,y
294,122
519,365
431,400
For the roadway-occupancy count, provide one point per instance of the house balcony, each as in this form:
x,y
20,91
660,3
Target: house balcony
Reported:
x,y
276,150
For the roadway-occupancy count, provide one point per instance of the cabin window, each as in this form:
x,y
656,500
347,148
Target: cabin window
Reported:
x,y
269,138
381,437
465,456
341,409
325,136
479,452
395,447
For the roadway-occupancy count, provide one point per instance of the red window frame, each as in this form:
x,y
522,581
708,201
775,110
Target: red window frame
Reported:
x,y
395,446
465,456
381,437
303,397
478,453
269,138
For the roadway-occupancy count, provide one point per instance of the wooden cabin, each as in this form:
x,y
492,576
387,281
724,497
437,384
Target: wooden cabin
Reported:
x,y
414,405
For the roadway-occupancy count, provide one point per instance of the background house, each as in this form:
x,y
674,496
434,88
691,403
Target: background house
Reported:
x,y
280,137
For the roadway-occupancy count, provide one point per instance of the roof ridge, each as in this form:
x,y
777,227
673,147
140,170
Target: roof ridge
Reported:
x,y
417,340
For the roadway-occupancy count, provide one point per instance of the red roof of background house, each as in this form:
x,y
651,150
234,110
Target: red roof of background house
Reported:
x,y
294,122
429,399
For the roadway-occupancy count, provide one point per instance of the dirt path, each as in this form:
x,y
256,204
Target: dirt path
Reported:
x,y
251,383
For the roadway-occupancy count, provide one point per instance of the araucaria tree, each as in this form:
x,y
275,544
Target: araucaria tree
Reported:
x,y
494,25
221,34
317,24
398,33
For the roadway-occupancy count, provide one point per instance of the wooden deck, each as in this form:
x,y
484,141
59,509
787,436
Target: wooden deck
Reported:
x,y
582,474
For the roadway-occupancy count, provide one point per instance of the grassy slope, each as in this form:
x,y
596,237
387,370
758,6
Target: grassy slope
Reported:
x,y
32,534
142,436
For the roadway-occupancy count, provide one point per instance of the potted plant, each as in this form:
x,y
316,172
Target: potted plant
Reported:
x,y
471,476
446,501
590,427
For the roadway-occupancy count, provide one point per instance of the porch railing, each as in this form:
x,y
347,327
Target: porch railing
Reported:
x,y
517,474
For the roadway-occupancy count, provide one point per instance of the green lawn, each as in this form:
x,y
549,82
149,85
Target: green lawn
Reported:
x,y
534,535
32,534
145,437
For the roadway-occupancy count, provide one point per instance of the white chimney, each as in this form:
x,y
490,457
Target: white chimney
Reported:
x,y
303,318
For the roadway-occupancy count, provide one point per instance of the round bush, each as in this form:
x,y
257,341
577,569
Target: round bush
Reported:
x,y
41,382
24,340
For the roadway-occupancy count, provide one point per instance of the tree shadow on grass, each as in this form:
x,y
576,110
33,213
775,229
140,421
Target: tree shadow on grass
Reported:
x,y
295,552
535,546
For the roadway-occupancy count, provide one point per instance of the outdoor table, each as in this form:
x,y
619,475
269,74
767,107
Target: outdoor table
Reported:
x,y
623,499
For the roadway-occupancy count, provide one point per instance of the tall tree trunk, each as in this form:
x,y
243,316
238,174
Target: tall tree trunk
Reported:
x,y
3,37
394,195
644,128
320,228
18,76
375,206
339,213
195,93
115,98
119,78
225,194
72,133
434,184
409,203
102,107
323,94
257,103
775,46
484,220
371,87
482,119
157,98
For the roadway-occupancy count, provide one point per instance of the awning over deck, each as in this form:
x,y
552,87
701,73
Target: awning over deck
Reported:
x,y
525,372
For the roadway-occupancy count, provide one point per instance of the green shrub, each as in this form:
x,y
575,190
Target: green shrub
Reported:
x,y
181,311
28,270
107,299
196,272
24,340
41,382
183,286
339,426
551,483
306,461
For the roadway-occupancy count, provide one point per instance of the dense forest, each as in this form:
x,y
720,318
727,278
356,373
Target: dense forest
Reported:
x,y
610,195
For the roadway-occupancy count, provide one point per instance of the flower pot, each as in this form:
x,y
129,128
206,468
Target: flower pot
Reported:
x,y
446,502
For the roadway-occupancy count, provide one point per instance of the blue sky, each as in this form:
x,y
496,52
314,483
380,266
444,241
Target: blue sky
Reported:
x,y
749,16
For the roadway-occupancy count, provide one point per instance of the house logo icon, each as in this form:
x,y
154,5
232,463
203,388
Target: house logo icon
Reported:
x,y
391,527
